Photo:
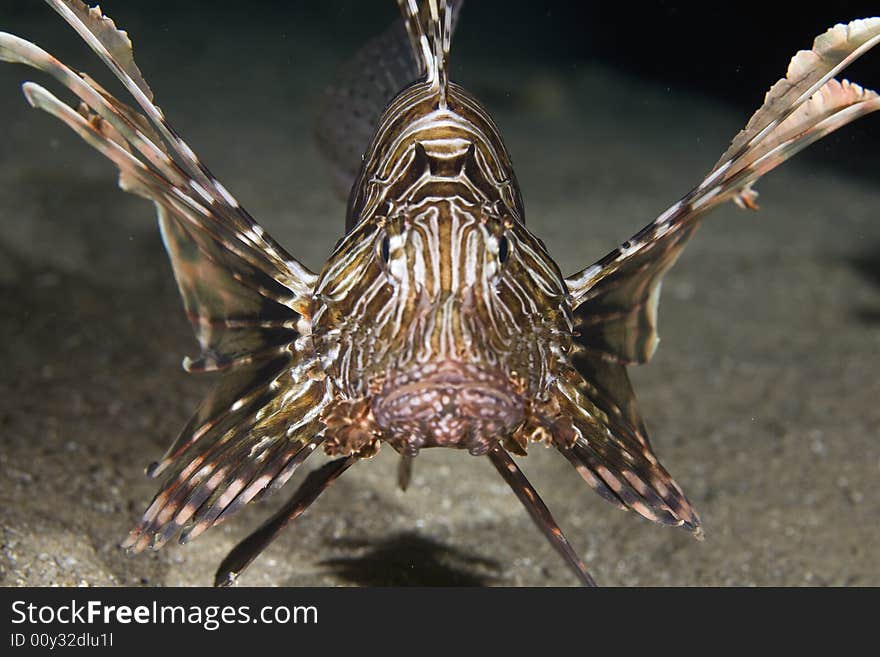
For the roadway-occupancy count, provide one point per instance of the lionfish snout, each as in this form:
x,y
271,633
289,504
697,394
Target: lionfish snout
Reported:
x,y
448,404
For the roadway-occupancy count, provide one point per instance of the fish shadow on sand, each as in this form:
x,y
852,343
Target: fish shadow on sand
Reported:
x,y
867,264
408,559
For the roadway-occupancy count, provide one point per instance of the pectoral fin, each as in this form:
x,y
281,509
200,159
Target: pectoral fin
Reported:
x,y
616,298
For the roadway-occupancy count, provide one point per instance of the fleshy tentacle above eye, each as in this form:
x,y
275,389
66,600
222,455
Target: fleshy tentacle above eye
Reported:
x,y
244,295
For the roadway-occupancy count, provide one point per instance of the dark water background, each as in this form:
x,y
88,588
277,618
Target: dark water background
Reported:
x,y
730,52
762,400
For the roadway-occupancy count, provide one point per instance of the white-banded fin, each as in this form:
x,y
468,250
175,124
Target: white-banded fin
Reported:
x,y
616,299
611,449
230,452
244,294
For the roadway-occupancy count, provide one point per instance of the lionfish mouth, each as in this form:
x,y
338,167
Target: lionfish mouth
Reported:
x,y
448,405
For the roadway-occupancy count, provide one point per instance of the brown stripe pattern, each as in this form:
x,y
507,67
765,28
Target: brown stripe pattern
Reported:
x,y
439,320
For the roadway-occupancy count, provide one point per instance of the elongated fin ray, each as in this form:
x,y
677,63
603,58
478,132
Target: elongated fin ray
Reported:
x,y
237,308
440,21
609,449
132,127
538,512
110,44
616,298
233,317
418,36
606,384
242,293
807,72
232,287
275,423
101,33
246,388
250,548
430,32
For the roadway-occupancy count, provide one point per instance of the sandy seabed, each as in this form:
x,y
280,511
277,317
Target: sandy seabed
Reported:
x,y
762,400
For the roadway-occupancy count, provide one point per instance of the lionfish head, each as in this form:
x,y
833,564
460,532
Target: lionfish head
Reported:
x,y
438,314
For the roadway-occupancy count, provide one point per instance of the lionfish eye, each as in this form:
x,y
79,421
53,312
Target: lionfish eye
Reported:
x,y
503,249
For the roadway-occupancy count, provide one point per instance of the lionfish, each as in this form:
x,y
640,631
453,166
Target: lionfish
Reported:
x,y
439,320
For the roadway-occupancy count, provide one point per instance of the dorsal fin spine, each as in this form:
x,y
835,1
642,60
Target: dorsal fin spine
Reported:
x,y
441,24
417,37
431,42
